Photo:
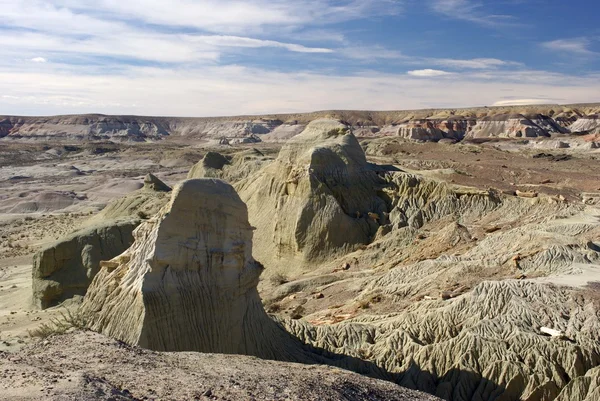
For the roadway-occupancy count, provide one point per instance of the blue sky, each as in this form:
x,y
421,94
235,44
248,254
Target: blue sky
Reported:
x,y
203,58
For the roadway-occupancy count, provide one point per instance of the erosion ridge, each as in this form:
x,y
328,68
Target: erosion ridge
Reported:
x,y
428,124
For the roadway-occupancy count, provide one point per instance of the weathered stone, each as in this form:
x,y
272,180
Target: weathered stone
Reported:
x,y
67,267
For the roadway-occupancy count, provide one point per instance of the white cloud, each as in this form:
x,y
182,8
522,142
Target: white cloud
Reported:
x,y
523,102
39,60
166,48
371,53
468,10
428,72
237,41
476,63
234,90
578,46
233,16
69,28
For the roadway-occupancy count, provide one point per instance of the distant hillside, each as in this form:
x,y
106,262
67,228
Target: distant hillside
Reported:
x,y
429,124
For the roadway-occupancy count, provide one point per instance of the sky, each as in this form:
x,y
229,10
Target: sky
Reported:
x,y
220,57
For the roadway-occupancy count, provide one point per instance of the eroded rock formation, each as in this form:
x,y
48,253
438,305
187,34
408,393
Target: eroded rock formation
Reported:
x,y
515,126
429,124
231,168
188,283
434,130
317,199
67,267
485,345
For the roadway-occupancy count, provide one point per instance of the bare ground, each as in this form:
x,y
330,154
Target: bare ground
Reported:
x,y
81,365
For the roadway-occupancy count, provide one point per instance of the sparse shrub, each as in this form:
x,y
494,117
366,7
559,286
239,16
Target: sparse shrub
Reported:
x,y
375,299
278,279
60,325
364,304
364,353
142,215
297,312
274,307
591,293
337,131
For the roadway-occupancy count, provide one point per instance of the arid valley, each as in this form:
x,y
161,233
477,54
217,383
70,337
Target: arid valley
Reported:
x,y
339,255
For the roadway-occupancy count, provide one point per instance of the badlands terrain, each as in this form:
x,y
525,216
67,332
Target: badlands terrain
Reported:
x,y
398,255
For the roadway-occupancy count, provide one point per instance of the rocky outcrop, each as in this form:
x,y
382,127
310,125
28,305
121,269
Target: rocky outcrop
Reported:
x,y
66,268
231,168
515,126
210,166
318,199
586,124
429,124
152,183
434,130
188,283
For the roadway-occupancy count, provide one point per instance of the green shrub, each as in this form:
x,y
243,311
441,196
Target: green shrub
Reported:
x,y
60,325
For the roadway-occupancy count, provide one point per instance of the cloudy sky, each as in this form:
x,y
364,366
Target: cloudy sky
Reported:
x,y
221,57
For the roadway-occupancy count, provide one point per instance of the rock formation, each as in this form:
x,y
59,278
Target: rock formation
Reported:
x,y
209,167
430,124
434,130
188,283
152,183
314,200
515,126
231,168
485,345
132,128
586,124
67,267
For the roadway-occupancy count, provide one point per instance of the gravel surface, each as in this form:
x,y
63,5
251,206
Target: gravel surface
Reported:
x,y
88,366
